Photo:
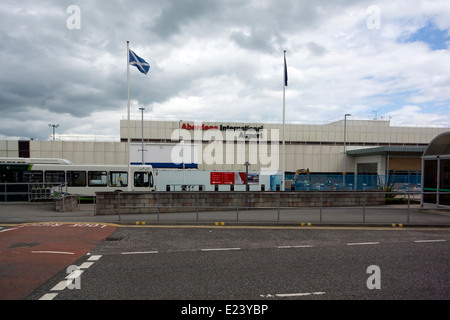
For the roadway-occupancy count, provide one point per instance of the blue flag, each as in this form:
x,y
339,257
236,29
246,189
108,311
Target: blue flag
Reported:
x,y
138,62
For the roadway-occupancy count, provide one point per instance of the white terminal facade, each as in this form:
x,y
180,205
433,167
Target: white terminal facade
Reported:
x,y
371,146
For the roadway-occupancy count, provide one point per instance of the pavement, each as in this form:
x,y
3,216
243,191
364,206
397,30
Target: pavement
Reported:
x,y
392,216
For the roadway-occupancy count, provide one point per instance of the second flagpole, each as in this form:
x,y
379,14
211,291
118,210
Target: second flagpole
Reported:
x,y
283,161
128,115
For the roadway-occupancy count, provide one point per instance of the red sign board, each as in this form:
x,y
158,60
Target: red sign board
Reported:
x,y
227,177
216,177
239,178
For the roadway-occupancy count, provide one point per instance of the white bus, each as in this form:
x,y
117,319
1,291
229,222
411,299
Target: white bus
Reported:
x,y
84,180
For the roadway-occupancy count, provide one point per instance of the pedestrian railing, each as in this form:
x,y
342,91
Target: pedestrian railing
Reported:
x,y
31,191
395,207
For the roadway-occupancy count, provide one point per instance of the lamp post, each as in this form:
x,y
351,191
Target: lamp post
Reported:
x,y
246,164
142,130
345,156
54,126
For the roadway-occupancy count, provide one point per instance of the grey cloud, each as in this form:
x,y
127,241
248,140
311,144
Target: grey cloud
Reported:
x,y
258,39
174,14
53,71
316,49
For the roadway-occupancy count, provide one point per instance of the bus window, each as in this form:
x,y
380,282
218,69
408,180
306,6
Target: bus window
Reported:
x,y
141,179
118,179
97,178
33,176
12,173
76,178
150,176
55,176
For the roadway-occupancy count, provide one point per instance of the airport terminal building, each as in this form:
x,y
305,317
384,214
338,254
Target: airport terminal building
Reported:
x,y
346,146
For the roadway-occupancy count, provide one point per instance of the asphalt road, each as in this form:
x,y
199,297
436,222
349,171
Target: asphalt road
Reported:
x,y
260,265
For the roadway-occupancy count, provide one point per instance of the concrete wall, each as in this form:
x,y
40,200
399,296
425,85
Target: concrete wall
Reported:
x,y
81,152
370,131
9,148
317,147
67,203
108,202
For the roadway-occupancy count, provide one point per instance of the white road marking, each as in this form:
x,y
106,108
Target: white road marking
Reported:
x,y
299,246
74,274
94,257
48,296
54,252
140,252
10,229
437,240
220,249
361,243
69,278
60,286
86,265
288,295
298,294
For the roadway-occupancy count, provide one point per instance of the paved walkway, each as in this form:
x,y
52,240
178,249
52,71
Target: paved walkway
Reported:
x,y
12,213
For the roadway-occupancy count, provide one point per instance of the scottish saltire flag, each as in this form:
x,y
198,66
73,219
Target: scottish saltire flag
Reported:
x,y
138,62
285,72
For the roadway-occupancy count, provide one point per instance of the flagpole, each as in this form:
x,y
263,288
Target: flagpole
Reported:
x,y
283,163
128,121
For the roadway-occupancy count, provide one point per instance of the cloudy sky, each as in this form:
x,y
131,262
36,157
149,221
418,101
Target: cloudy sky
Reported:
x,y
221,60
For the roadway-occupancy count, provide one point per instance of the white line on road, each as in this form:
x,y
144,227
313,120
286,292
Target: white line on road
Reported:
x,y
10,229
361,243
437,240
288,295
221,249
55,252
60,286
139,252
86,265
74,274
94,257
48,296
300,246
298,294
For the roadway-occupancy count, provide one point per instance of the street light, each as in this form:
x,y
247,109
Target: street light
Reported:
x,y
54,126
345,156
142,127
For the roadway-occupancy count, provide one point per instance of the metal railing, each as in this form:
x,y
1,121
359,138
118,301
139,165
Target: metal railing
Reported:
x,y
31,191
399,207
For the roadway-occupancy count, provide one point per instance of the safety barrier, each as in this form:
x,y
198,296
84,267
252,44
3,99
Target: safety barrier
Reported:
x,y
238,206
31,191
396,208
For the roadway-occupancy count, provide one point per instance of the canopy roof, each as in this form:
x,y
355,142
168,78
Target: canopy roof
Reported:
x,y
385,150
439,145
